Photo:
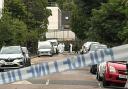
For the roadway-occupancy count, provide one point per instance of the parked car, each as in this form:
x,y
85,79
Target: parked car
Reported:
x,y
45,48
12,57
86,47
25,50
112,72
55,45
93,48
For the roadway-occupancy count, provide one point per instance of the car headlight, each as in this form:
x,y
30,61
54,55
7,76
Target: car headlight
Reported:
x,y
18,60
2,61
112,69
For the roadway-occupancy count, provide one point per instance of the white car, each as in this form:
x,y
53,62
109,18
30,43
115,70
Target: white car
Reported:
x,y
12,57
86,46
45,48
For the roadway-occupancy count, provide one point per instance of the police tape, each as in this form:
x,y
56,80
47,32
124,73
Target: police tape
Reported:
x,y
43,69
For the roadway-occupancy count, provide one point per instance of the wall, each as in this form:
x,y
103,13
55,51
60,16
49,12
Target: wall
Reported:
x,y
1,7
55,19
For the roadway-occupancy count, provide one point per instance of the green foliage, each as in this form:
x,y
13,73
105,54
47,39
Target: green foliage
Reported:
x,y
19,29
105,21
109,23
16,8
23,22
6,37
12,32
39,14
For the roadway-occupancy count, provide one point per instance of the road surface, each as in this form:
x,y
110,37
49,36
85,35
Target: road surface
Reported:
x,y
75,79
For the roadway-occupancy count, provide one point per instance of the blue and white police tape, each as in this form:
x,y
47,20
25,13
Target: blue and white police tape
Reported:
x,y
115,53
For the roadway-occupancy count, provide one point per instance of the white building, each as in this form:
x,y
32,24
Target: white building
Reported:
x,y
55,30
1,7
61,35
54,19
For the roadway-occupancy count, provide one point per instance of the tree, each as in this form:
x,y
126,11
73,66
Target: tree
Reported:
x,y
16,8
39,14
24,21
6,33
81,17
20,32
109,23
12,31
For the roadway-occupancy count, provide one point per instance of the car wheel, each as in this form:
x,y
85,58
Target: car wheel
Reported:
x,y
1,70
29,62
92,70
51,55
105,83
98,77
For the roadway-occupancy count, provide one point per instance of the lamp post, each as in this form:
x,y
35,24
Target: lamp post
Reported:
x,y
63,33
67,18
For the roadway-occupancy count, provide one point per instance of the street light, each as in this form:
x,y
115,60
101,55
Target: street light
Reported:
x,y
67,18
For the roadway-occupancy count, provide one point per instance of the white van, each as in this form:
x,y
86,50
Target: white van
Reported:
x,y
45,48
55,45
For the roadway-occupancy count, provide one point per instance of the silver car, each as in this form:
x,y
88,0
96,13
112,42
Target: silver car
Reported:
x,y
12,57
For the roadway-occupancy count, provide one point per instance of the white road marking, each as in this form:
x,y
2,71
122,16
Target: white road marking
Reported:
x,y
47,83
22,82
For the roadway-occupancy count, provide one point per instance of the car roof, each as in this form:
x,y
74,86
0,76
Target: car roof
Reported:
x,y
24,48
12,46
87,44
54,40
43,43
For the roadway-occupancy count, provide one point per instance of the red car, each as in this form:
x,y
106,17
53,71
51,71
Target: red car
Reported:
x,y
112,72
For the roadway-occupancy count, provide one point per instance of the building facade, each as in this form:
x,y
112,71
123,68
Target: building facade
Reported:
x,y
58,27
54,19
1,7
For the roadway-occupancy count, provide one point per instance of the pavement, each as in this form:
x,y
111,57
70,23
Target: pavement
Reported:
x,y
41,86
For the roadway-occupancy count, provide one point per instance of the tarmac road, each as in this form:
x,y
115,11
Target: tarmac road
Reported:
x,y
75,79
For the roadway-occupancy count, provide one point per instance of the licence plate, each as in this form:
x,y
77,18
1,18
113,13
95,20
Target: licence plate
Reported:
x,y
122,76
9,63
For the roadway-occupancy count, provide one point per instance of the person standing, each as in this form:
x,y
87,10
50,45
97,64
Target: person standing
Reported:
x,y
63,46
59,47
76,48
70,48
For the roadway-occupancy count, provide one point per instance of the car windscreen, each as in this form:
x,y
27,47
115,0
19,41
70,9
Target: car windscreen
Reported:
x,y
45,47
11,50
93,48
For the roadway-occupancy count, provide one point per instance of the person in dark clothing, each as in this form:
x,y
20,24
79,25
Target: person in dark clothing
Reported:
x,y
76,48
